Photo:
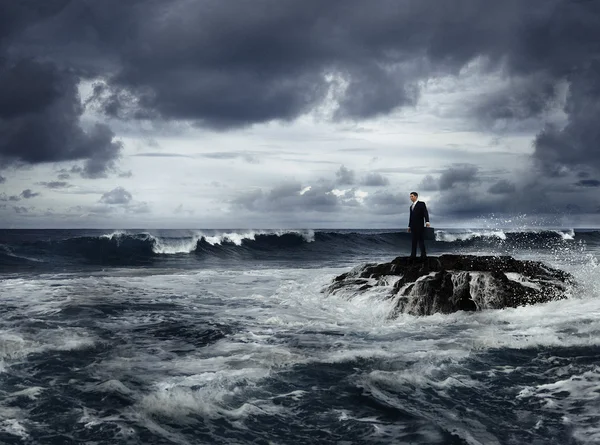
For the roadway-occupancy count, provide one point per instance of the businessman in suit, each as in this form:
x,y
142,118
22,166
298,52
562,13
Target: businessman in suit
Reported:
x,y
418,215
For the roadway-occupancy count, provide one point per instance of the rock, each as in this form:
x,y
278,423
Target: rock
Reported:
x,y
451,283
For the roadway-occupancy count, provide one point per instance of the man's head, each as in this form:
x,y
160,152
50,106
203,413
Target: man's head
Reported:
x,y
414,196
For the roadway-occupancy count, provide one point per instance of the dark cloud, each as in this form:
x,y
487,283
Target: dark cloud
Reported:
x,y
375,179
518,106
2,179
463,175
116,196
588,183
27,194
575,145
55,184
345,176
222,65
20,209
502,187
40,108
429,184
64,176
39,120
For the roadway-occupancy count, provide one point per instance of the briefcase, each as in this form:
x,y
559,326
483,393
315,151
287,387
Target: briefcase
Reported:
x,y
429,234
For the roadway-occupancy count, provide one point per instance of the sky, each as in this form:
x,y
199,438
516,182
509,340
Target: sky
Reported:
x,y
299,113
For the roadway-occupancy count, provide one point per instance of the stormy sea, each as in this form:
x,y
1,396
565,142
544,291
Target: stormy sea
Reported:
x,y
226,337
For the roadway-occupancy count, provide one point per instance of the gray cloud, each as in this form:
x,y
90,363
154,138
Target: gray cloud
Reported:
x,y
345,176
289,197
374,180
222,66
55,184
5,198
502,187
428,184
138,208
161,155
181,210
387,203
20,209
588,183
356,150
248,157
265,60
519,105
116,196
39,120
464,175
575,145
27,194
2,179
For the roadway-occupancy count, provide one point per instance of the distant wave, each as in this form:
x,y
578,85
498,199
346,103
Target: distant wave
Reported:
x,y
188,244
506,236
139,248
7,257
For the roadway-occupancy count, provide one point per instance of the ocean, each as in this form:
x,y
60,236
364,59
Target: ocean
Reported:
x,y
226,337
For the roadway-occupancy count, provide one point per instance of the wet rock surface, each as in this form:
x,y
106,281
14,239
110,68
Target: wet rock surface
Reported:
x,y
451,283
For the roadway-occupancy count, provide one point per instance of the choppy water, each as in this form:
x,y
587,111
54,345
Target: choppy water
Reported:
x,y
193,337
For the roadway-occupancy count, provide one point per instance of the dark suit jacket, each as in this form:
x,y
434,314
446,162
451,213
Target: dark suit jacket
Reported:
x,y
418,216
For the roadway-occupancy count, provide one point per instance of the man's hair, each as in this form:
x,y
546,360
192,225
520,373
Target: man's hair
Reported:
x,y
414,193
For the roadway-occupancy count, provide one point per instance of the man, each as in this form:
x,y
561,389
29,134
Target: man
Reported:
x,y
418,215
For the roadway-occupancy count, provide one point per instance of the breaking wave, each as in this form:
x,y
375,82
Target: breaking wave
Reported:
x,y
145,247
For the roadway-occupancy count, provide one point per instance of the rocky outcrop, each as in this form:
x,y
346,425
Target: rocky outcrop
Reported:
x,y
451,283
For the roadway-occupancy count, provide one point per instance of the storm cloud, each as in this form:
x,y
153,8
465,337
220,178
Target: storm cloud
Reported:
x,y
502,187
462,175
40,111
40,107
224,66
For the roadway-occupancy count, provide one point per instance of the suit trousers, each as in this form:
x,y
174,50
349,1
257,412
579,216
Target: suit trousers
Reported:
x,y
418,236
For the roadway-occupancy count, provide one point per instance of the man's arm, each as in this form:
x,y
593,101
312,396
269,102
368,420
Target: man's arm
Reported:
x,y
426,214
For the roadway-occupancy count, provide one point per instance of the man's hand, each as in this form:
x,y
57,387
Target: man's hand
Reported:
x,y
408,230
427,224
